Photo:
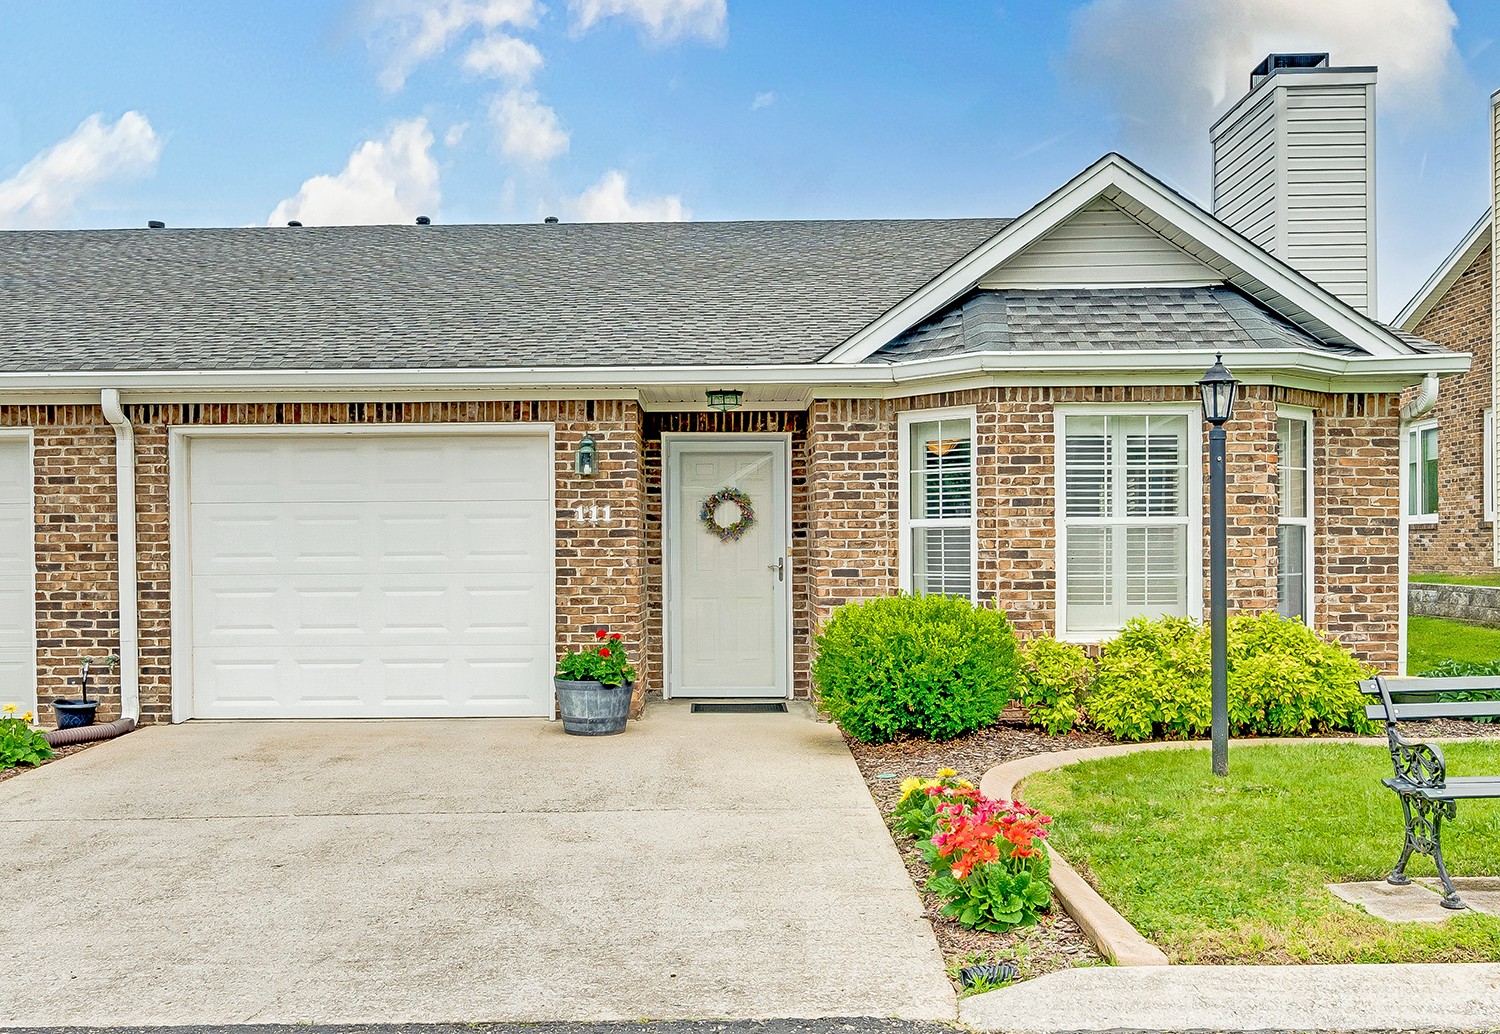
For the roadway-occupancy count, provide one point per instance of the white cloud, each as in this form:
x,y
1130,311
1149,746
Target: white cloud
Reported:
x,y
1169,67
385,181
763,100
46,189
528,129
455,134
608,201
503,57
409,32
664,20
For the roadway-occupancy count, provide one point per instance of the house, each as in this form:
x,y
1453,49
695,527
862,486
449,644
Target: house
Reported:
x,y
1449,454
390,471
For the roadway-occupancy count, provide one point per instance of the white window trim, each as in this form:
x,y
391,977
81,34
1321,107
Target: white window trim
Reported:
x,y
903,493
1408,433
1196,517
1310,603
1488,477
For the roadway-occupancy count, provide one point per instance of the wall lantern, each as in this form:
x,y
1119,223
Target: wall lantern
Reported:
x,y
1217,388
585,462
725,399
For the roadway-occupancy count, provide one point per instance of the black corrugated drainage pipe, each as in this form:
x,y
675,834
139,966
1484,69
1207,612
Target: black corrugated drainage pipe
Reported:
x,y
88,733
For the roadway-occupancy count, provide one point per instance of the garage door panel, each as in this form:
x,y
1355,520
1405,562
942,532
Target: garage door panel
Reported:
x,y
17,575
413,594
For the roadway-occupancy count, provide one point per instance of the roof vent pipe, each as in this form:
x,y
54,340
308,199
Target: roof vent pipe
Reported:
x,y
1420,406
155,224
423,220
293,222
130,641
550,220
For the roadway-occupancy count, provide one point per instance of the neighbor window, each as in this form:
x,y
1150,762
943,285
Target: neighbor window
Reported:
x,y
938,532
1422,471
1127,519
1294,527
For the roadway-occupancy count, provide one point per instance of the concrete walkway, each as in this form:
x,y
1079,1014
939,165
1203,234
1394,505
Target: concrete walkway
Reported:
x,y
358,872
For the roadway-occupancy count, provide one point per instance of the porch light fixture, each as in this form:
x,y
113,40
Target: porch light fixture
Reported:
x,y
1217,387
725,399
585,461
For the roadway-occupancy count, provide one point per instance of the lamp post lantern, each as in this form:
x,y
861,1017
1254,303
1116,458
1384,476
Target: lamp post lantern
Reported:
x,y
1217,388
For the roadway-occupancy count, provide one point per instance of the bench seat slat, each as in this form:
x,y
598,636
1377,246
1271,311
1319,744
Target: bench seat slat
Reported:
x,y
1457,789
1482,684
1437,709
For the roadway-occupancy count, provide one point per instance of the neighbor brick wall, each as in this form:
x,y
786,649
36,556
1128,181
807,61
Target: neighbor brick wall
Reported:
x,y
600,567
1460,542
741,421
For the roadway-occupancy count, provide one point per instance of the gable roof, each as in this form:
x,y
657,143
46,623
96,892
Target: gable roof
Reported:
x,y
1446,275
1243,265
1082,320
460,297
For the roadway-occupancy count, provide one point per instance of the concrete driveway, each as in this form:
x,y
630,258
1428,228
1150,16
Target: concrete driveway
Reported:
x,y
359,872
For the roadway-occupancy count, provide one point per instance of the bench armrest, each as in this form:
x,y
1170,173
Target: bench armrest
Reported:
x,y
1421,764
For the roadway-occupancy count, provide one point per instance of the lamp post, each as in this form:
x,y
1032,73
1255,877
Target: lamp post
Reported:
x,y
1217,388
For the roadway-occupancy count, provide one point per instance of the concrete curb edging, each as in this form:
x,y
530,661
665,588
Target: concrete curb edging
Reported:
x,y
1109,931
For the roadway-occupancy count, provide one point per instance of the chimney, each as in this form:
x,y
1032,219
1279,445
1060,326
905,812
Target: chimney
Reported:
x,y
1294,170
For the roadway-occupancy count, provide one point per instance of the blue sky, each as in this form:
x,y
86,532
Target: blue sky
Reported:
x,y
215,114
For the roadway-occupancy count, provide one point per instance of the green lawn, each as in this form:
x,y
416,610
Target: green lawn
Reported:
x,y
1233,871
1457,579
1430,641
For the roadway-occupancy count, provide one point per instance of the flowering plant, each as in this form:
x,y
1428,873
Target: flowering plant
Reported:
x,y
916,811
20,744
988,860
603,662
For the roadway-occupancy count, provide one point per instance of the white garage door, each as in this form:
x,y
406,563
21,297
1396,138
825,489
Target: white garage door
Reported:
x,y
370,575
17,575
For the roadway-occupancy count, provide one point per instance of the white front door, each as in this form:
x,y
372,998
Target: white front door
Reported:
x,y
727,598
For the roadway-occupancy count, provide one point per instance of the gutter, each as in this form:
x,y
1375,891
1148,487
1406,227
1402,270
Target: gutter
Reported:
x,y
1420,406
130,640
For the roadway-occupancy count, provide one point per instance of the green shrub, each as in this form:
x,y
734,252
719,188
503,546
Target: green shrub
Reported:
x,y
20,744
933,666
1284,680
1054,679
1451,669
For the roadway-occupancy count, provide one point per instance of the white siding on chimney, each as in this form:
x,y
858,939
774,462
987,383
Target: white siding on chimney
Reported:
x,y
1294,173
1100,246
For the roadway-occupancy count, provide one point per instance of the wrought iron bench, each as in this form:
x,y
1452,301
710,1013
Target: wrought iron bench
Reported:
x,y
1428,795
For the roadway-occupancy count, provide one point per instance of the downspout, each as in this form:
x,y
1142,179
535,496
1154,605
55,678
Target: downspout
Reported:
x,y
1420,406
1416,409
130,640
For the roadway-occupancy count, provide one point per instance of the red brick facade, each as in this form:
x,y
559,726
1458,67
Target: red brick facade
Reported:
x,y
844,512
1460,542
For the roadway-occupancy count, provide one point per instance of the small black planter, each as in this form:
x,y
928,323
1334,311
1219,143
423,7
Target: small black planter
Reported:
x,y
71,714
592,708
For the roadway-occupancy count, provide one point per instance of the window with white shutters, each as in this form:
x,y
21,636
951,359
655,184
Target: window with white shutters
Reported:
x,y
1126,518
938,526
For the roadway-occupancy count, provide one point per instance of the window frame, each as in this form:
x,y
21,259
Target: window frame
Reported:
x,y
1488,458
1412,435
905,551
1195,518
1309,597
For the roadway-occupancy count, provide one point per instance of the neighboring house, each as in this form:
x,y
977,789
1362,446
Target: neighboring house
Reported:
x,y
1449,455
390,471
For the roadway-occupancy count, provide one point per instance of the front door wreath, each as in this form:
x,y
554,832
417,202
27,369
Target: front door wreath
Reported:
x,y
708,515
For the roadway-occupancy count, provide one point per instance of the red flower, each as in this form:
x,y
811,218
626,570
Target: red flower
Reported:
x,y
615,637
600,634
603,651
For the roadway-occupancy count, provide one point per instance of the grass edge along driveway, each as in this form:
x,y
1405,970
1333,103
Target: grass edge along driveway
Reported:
x,y
1233,870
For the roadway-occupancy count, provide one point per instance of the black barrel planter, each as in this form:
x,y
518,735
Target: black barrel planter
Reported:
x,y
592,708
74,714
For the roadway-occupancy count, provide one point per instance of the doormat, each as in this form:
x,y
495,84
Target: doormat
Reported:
x,y
742,707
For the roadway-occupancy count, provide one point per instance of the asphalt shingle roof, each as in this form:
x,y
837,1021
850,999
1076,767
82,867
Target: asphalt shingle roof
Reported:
x,y
394,297
1113,319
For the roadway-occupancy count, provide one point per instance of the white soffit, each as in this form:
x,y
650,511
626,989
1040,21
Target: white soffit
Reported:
x,y
1446,275
1172,217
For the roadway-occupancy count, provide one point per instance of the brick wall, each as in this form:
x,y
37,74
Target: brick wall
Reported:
x,y
1460,541
743,421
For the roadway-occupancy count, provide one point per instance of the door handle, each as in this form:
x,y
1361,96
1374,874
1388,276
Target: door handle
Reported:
x,y
779,567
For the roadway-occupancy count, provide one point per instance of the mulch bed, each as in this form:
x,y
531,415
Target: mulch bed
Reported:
x,y
1057,943
58,753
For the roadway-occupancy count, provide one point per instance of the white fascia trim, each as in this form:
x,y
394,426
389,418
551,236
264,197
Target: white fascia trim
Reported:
x,y
1446,274
820,380
1114,172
